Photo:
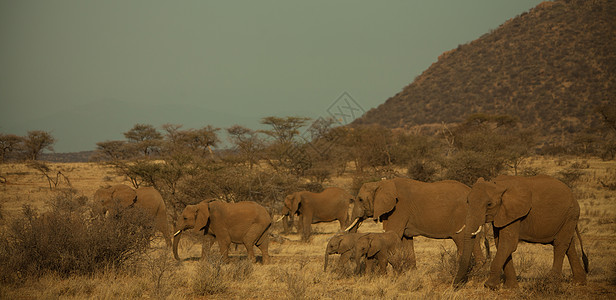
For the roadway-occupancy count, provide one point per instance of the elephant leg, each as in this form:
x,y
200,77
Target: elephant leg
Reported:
x,y
263,244
382,261
306,226
223,244
344,258
161,225
511,280
579,275
507,242
407,244
208,241
562,242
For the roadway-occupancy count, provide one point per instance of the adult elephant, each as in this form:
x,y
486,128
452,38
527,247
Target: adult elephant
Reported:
x,y
147,198
329,205
244,222
537,209
412,208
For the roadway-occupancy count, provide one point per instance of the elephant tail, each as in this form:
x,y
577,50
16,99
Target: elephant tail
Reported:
x,y
584,257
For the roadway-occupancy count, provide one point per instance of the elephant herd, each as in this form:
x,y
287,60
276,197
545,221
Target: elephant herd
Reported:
x,y
538,209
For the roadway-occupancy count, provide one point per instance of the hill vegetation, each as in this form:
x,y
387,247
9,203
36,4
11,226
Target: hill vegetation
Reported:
x,y
554,68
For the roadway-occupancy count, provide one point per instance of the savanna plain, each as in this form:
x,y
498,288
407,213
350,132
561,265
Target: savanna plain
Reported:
x,y
296,268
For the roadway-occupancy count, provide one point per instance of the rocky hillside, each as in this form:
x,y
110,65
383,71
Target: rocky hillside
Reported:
x,y
551,67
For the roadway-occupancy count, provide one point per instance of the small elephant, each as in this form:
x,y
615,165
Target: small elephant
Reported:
x,y
147,198
329,205
377,248
342,244
244,222
538,209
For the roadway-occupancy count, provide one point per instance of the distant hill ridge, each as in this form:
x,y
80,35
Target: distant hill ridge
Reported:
x,y
550,67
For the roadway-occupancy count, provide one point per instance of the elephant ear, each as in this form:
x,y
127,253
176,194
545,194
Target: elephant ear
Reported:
x,y
295,203
385,198
515,202
375,246
202,216
123,195
336,243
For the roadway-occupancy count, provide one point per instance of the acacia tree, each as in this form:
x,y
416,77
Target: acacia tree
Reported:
x,y
247,142
285,149
486,144
8,144
144,138
35,142
113,150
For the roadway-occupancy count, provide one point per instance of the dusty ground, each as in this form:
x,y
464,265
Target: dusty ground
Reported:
x,y
296,270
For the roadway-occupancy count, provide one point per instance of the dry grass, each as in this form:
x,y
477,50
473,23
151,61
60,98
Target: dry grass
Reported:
x,y
296,271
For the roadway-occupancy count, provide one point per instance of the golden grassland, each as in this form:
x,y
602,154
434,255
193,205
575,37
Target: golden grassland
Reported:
x,y
296,270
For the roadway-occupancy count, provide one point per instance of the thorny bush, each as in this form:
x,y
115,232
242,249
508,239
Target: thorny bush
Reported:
x,y
70,241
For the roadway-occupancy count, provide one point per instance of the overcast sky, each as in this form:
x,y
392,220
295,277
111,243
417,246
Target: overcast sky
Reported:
x,y
87,71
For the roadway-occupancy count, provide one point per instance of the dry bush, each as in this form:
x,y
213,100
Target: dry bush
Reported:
x,y
209,278
400,259
296,284
448,266
545,287
573,173
160,268
69,242
608,180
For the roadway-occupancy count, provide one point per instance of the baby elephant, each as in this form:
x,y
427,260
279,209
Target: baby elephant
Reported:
x,y
377,248
342,244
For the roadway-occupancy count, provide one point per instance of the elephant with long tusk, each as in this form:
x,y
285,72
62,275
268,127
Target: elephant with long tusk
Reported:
x,y
538,209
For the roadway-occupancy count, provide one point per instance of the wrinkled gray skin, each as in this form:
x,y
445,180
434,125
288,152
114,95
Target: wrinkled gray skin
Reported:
x,y
244,222
537,209
377,248
342,244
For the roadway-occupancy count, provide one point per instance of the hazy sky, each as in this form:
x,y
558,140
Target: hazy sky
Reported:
x,y
87,71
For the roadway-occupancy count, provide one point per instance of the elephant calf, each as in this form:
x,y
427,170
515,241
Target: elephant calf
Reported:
x,y
377,248
342,244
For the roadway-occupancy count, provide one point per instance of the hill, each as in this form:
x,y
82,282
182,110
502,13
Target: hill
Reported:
x,y
551,67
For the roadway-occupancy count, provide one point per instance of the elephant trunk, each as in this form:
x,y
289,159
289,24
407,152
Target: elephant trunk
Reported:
x,y
176,241
326,260
465,259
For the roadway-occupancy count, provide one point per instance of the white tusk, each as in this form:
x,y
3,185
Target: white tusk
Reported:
x,y
463,226
477,232
352,224
179,231
279,219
